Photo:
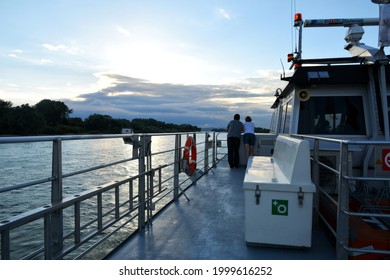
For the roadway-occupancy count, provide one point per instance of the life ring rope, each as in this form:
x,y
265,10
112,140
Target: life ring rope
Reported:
x,y
189,155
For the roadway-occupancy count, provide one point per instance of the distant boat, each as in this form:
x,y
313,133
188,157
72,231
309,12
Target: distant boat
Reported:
x,y
127,140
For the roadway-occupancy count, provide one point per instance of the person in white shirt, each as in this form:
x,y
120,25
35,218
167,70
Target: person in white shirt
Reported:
x,y
249,136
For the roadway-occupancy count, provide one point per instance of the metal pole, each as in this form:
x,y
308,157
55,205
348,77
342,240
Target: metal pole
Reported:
x,y
385,109
5,248
56,197
193,177
141,184
316,177
176,167
206,152
214,150
343,203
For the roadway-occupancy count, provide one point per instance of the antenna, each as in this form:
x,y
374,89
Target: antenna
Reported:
x,y
284,73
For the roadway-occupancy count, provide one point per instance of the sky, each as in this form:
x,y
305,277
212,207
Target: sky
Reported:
x,y
193,62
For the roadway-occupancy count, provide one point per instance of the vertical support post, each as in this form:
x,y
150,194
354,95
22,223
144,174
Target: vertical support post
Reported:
x,y
77,222
299,55
206,152
141,184
149,199
117,202
159,179
99,211
316,178
148,154
47,237
131,203
193,177
385,108
5,248
214,150
56,197
343,204
176,167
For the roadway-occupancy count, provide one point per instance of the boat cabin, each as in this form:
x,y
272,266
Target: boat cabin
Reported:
x,y
341,107
341,101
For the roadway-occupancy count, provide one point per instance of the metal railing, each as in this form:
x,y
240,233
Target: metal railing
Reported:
x,y
91,223
349,187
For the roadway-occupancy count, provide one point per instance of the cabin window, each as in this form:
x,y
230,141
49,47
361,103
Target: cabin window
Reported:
x,y
273,122
286,116
286,125
343,115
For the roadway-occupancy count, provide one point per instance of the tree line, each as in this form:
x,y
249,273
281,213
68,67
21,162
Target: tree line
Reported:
x,y
49,117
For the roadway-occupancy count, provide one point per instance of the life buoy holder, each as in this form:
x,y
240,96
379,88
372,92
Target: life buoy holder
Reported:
x,y
189,156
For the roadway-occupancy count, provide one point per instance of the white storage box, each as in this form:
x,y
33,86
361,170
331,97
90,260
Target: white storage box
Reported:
x,y
277,210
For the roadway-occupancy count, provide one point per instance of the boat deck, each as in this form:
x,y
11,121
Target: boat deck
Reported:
x,y
211,227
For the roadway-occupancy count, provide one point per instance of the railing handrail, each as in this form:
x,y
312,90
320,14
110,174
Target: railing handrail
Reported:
x,y
46,138
345,141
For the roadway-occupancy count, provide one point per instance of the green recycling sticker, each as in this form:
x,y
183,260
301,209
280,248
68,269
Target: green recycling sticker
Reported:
x,y
279,207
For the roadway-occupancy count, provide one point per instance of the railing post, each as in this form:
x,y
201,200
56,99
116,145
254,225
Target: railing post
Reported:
x,y
141,184
316,178
176,167
343,204
193,177
214,150
149,198
56,197
206,152
5,248
131,197
48,241
99,211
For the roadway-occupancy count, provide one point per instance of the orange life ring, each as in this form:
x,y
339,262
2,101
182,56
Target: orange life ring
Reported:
x,y
189,154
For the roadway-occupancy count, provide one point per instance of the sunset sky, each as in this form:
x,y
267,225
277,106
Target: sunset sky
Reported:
x,y
196,62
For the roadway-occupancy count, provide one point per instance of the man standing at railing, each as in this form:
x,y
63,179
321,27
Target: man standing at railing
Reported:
x,y
234,129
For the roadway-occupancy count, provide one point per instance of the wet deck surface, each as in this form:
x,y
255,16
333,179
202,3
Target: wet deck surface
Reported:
x,y
211,227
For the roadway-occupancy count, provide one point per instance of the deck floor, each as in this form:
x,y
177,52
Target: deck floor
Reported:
x,y
211,227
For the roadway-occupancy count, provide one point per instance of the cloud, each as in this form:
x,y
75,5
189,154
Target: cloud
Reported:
x,y
15,53
62,48
224,13
123,31
45,61
201,105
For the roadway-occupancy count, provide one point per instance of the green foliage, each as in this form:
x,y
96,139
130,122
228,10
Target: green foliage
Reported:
x,y
261,130
25,118
50,117
54,112
154,126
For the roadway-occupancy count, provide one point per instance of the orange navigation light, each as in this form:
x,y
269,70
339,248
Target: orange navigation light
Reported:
x,y
297,19
290,57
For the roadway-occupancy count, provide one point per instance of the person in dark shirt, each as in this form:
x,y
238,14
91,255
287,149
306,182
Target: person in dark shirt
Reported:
x,y
234,129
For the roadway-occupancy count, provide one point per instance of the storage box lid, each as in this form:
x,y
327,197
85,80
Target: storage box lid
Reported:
x,y
264,173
